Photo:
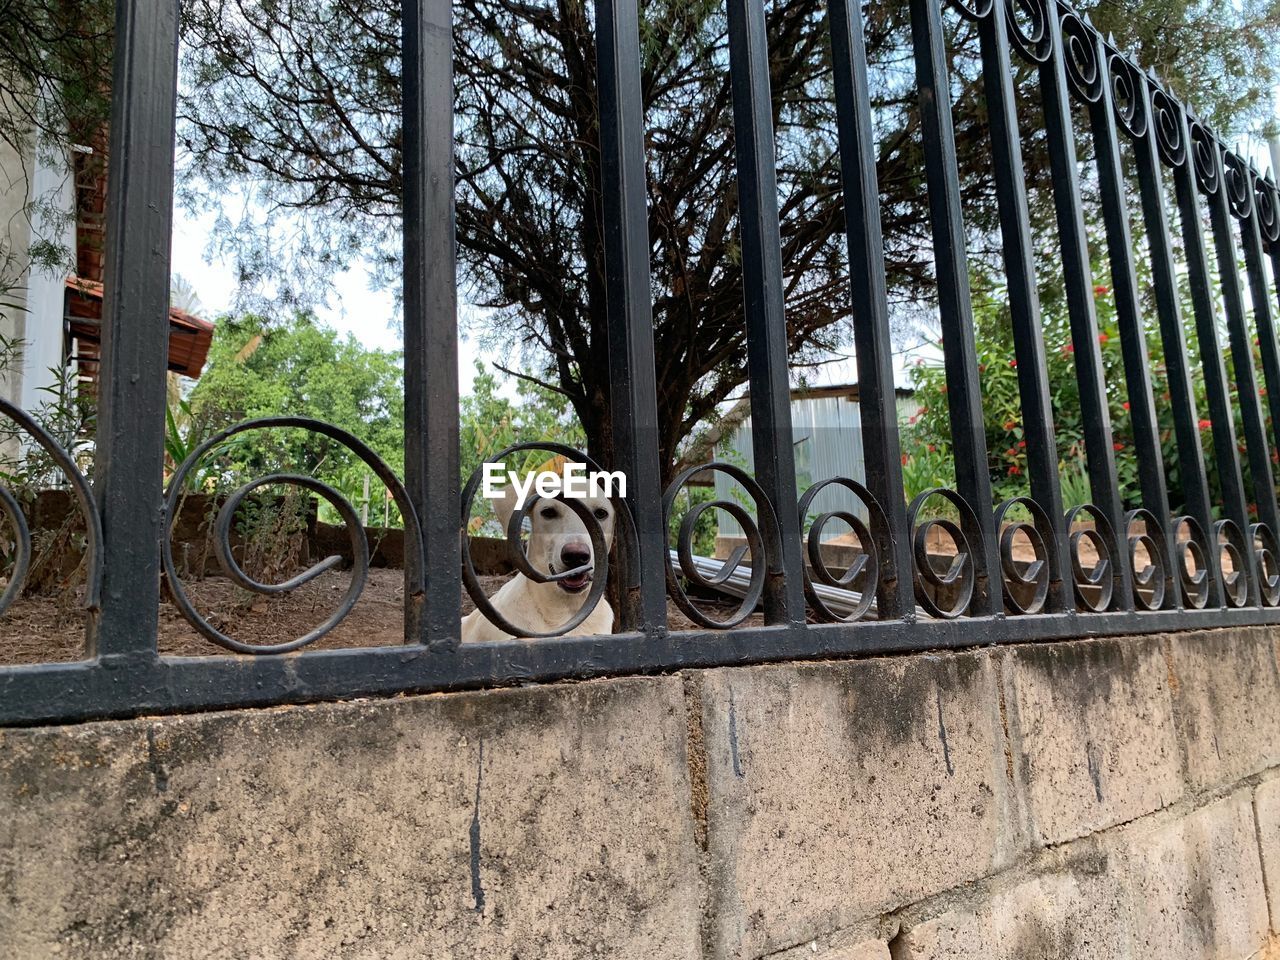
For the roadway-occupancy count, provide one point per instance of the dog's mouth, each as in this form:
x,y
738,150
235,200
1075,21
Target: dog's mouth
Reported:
x,y
574,584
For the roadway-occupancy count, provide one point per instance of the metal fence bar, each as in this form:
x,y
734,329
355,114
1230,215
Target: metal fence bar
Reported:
x,y
430,319
1078,282
1124,281
964,395
762,283
1256,446
1024,298
877,398
633,383
135,326
69,692
1202,165
1165,130
1260,294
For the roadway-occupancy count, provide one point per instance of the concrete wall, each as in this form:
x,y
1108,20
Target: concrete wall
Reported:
x,y
1110,800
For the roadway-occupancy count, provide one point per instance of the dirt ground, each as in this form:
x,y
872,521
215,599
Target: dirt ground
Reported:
x,y
47,629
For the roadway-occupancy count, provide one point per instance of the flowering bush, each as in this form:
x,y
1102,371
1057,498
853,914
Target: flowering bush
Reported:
x,y
927,435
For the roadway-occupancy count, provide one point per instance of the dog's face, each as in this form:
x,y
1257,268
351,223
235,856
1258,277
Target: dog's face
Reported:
x,y
558,539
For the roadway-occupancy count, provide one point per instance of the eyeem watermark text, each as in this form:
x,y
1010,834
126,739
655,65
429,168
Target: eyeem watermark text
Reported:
x,y
576,482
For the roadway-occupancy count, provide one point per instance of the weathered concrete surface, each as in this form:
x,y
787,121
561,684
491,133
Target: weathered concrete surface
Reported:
x,y
1092,734
538,823
1266,808
1226,694
838,791
929,807
1196,885
1081,913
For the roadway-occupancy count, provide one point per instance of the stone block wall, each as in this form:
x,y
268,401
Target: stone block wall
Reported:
x,y
1109,799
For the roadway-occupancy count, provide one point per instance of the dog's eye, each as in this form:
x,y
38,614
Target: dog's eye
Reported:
x,y
602,513
549,513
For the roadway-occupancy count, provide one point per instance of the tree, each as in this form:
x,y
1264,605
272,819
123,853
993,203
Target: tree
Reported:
x,y
289,97
295,366
298,101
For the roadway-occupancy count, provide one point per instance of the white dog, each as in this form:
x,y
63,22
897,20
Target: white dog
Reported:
x,y
558,541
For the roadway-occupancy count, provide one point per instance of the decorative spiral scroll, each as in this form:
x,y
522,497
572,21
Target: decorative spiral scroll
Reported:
x,y
1126,95
22,533
1196,576
961,576
1266,204
226,514
1102,576
1205,159
865,566
1039,575
1267,553
1152,578
1080,56
599,546
1166,118
1029,33
1231,546
1239,184
974,10
765,546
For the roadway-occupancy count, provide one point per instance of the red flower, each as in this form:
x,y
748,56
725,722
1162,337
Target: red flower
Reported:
x,y
1069,348
933,448
1126,404
1206,424
1011,453
905,458
1010,424
1013,363
1015,470
1117,446
1022,443
1103,338
1101,290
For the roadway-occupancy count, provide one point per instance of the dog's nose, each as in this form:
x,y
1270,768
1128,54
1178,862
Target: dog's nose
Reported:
x,y
575,555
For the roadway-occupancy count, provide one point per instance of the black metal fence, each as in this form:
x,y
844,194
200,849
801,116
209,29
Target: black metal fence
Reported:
x,y
1123,572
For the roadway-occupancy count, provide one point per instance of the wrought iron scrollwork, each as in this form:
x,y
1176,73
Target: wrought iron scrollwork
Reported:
x,y
1267,554
1231,547
1239,184
864,567
1205,159
1100,578
1266,205
1150,579
1080,57
1028,28
1027,587
1126,95
1168,128
226,515
22,532
960,577
763,545
599,546
973,10
1194,564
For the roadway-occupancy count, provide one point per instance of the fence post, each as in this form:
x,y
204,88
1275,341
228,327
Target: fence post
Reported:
x,y
762,292
129,464
1077,275
634,391
877,399
964,395
430,320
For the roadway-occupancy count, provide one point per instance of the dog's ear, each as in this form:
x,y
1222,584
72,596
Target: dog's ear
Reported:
x,y
505,506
